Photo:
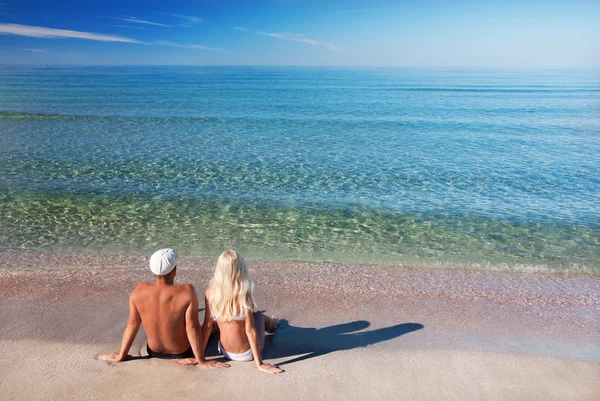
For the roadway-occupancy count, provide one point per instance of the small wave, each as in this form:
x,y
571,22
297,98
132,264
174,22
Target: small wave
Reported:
x,y
9,115
491,90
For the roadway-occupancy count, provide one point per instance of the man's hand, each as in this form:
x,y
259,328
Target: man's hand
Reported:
x,y
214,364
187,361
205,365
114,357
266,367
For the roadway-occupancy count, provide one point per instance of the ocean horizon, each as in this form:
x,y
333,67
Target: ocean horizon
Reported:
x,y
484,168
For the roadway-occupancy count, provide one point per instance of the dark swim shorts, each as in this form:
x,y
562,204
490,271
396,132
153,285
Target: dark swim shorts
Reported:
x,y
187,354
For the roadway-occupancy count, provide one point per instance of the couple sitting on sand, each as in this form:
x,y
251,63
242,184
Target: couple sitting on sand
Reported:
x,y
169,313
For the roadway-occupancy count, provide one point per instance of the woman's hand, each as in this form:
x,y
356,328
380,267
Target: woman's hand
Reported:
x,y
266,367
114,357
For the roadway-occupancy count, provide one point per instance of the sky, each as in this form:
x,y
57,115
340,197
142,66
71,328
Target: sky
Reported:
x,y
425,33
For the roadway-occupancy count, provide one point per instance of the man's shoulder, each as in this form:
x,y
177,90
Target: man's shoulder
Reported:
x,y
179,289
185,289
140,289
184,286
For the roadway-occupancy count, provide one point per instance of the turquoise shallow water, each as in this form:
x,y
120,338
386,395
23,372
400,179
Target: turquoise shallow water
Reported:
x,y
496,169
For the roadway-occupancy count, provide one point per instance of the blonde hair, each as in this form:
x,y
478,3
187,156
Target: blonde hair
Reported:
x,y
231,289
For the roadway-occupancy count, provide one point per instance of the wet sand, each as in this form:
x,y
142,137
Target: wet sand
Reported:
x,y
348,332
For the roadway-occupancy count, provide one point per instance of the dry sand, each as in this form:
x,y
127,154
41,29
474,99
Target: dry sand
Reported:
x,y
349,332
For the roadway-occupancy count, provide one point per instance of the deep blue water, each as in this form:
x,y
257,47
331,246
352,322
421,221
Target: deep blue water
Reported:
x,y
497,169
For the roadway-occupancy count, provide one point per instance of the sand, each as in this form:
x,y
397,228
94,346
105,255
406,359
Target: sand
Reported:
x,y
348,332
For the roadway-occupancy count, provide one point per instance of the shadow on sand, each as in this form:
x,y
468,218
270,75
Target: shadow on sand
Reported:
x,y
301,343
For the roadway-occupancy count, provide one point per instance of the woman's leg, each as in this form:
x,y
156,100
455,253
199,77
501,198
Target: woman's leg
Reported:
x,y
259,325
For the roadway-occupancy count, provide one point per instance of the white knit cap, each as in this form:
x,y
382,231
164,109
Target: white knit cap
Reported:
x,y
163,261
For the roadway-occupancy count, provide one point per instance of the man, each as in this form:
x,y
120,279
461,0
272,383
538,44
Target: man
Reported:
x,y
169,313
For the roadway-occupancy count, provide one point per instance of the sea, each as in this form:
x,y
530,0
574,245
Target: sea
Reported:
x,y
467,168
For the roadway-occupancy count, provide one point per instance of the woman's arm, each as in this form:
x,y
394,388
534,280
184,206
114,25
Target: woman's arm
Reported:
x,y
256,347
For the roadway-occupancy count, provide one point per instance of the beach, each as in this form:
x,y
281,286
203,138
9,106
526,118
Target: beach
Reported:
x,y
348,331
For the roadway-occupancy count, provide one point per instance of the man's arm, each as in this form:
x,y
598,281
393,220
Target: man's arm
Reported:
x,y
133,325
208,320
194,333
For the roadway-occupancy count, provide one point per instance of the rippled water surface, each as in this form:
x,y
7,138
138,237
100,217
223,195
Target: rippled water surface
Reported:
x,y
499,169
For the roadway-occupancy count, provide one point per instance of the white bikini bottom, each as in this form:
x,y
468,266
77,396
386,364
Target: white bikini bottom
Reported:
x,y
244,356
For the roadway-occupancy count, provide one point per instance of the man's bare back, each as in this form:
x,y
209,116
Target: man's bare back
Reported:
x,y
162,309
169,313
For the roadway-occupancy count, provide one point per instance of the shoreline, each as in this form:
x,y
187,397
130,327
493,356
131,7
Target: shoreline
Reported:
x,y
56,256
349,331
54,221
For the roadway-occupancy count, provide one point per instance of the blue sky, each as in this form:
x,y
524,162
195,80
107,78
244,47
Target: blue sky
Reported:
x,y
426,33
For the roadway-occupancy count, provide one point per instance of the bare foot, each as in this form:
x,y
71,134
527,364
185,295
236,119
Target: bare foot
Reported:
x,y
272,323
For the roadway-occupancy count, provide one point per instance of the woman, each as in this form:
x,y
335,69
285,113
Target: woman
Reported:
x,y
230,301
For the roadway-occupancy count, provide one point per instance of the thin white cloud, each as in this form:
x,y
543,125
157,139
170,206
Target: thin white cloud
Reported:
x,y
51,33
41,32
189,18
298,37
129,26
364,10
240,28
140,21
35,50
201,47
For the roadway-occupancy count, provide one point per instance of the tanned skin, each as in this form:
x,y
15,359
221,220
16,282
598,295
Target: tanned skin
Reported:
x,y
238,336
169,313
